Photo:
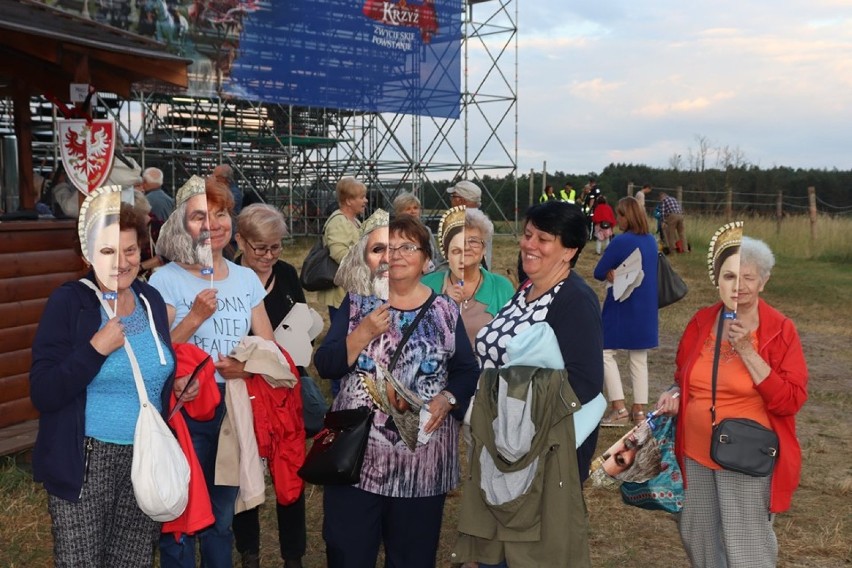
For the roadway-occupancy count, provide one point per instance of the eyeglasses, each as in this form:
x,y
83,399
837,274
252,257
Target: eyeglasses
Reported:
x,y
406,250
263,250
474,243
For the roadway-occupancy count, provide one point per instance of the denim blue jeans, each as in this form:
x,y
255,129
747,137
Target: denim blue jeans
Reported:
x,y
216,541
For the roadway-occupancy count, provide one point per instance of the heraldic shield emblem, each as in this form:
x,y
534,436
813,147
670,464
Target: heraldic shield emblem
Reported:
x,y
87,151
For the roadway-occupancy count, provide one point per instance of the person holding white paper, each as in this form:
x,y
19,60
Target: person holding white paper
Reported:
x,y
630,320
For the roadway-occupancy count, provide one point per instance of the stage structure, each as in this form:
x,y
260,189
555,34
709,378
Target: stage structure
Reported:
x,y
433,86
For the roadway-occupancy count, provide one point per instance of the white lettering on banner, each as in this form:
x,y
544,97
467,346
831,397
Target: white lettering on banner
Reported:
x,y
393,39
395,15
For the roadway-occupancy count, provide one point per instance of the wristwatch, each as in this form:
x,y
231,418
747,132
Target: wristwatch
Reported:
x,y
449,396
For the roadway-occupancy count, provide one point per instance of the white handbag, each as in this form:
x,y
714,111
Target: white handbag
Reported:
x,y
160,470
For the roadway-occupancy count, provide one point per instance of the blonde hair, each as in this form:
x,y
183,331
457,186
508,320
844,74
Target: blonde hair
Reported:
x,y
348,187
403,201
141,203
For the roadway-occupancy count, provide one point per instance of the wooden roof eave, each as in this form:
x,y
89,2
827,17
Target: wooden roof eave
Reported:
x,y
111,71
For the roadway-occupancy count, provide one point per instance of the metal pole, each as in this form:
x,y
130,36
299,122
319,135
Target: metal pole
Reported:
x,y
532,186
812,211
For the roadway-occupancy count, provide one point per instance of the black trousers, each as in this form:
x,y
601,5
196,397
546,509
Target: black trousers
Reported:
x,y
292,534
356,522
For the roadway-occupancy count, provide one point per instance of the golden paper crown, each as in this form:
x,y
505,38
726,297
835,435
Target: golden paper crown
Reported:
x,y
727,236
452,218
194,186
379,218
104,201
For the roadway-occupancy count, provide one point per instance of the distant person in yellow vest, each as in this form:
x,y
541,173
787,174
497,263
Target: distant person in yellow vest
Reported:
x,y
548,195
568,194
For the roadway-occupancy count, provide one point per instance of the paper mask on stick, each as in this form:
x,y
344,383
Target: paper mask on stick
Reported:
x,y
451,239
185,236
723,263
99,232
364,269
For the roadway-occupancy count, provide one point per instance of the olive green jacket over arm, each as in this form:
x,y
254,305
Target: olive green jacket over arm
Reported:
x,y
547,525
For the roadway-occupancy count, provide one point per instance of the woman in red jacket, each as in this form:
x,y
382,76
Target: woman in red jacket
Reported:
x,y
763,376
604,219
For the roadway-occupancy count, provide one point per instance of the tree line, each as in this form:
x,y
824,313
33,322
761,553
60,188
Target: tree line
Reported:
x,y
755,189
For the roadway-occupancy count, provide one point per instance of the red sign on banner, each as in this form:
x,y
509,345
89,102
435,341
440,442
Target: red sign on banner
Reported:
x,y
87,151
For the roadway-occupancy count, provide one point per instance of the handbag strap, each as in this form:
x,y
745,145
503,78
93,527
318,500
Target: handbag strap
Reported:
x,y
415,322
716,349
134,364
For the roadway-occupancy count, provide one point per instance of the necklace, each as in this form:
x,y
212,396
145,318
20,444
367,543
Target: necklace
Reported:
x,y
466,301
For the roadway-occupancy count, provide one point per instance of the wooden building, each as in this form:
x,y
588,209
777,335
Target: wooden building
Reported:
x,y
42,51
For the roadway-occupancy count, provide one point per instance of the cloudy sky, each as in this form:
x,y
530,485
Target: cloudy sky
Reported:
x,y
627,81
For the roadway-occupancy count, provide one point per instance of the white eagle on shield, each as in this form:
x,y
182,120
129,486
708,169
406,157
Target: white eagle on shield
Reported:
x,y
87,149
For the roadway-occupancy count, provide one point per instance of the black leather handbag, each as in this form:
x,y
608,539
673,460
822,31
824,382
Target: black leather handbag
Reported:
x,y
740,444
318,269
670,286
338,451
745,446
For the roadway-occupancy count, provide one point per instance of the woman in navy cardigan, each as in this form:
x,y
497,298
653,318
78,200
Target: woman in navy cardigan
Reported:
x,y
82,384
629,324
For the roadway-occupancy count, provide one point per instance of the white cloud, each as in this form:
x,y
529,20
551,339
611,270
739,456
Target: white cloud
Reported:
x,y
636,82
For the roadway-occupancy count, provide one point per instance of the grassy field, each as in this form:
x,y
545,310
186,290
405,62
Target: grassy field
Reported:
x,y
812,284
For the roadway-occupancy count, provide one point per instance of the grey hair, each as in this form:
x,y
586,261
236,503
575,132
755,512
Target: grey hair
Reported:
x,y
354,275
476,219
403,201
153,175
261,221
648,463
758,253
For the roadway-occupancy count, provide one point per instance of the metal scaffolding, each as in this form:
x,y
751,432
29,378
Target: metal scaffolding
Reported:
x,y
293,156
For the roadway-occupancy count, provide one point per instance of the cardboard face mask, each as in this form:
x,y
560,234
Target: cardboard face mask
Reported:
x,y
376,255
451,236
723,264
100,240
185,236
364,269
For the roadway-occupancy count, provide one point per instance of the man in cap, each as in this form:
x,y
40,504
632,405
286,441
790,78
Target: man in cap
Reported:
x,y
465,193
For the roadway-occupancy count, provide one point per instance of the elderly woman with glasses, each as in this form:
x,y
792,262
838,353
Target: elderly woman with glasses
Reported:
x,y
464,235
260,230
411,461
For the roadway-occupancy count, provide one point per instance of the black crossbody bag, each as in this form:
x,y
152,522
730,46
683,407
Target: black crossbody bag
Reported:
x,y
338,452
740,444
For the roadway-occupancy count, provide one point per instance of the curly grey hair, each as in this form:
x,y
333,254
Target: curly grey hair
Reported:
x,y
476,219
758,253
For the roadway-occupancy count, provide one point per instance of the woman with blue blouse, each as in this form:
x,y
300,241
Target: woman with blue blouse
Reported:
x,y
82,384
629,323
399,499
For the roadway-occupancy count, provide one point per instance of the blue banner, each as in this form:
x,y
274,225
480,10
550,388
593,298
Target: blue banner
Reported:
x,y
366,55
363,55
